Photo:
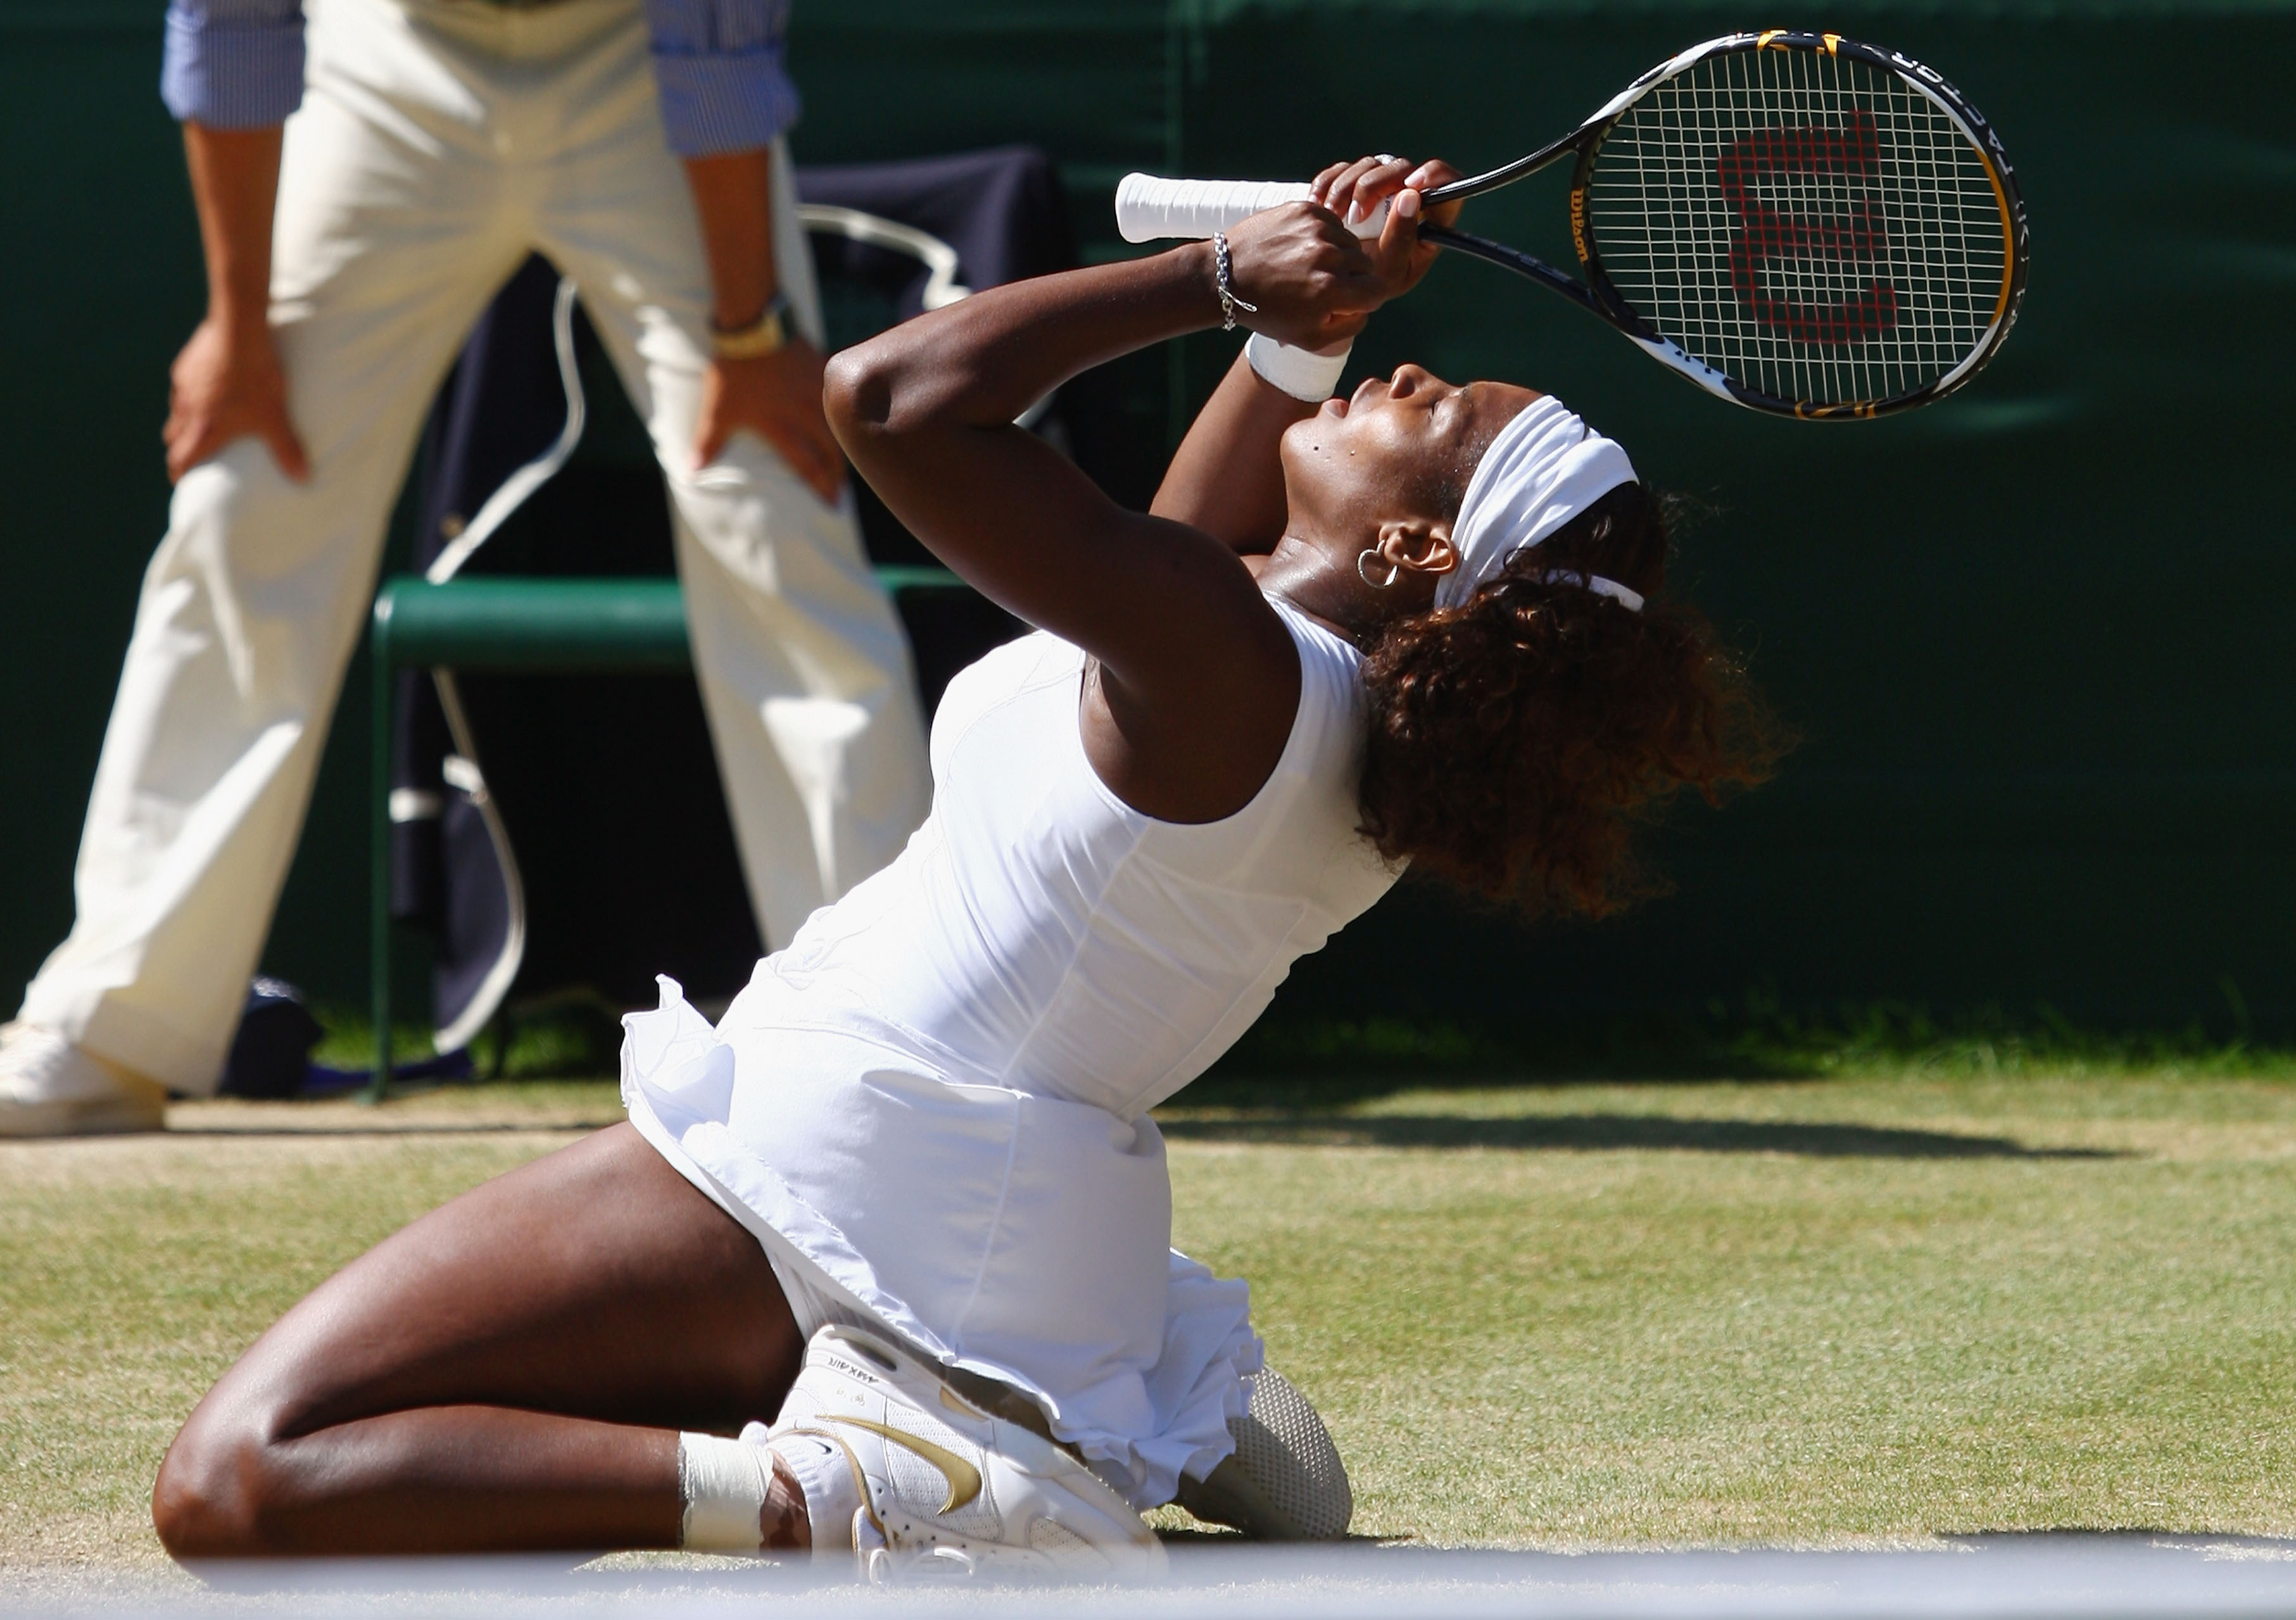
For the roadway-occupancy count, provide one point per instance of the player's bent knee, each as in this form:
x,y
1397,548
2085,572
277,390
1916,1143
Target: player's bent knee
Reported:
x,y
214,1488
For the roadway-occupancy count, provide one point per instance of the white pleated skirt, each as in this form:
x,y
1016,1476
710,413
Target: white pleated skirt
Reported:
x,y
1022,1237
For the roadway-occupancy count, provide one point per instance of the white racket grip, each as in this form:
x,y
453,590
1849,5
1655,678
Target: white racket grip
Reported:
x,y
1148,208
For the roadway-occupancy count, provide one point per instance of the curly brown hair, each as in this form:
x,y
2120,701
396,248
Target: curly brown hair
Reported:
x,y
1519,738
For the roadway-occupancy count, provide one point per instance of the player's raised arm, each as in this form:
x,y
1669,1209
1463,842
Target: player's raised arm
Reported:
x,y
925,411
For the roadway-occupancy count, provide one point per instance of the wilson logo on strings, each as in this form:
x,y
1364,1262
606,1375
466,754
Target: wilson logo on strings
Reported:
x,y
1769,247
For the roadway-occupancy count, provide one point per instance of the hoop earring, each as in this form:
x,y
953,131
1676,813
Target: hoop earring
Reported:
x,y
1364,573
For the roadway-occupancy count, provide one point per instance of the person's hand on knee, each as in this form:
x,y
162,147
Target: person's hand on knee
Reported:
x,y
227,385
777,397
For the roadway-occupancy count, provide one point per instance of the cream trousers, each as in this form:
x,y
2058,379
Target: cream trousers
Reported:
x,y
441,141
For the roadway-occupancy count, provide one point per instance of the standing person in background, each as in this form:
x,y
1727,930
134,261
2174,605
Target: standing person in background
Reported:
x,y
433,143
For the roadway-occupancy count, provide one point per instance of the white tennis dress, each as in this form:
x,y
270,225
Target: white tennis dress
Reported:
x,y
931,1107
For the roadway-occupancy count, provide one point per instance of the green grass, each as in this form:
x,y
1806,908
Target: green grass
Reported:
x,y
1882,1308
133,1269
1903,1300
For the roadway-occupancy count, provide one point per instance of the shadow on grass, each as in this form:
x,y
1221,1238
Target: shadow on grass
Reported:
x,y
540,1127
1567,1132
1582,1133
1321,1063
1195,1536
2198,1539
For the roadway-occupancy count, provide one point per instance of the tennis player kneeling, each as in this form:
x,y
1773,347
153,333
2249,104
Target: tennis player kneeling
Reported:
x,y
900,1222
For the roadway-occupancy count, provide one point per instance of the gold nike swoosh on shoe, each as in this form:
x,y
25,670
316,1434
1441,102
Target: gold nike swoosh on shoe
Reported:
x,y
963,1478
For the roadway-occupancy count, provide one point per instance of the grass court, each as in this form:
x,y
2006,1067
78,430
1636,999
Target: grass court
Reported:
x,y
1906,1298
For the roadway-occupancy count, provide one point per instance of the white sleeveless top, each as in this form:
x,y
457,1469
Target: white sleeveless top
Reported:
x,y
934,1099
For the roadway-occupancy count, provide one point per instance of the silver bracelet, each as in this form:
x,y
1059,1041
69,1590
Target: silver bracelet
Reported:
x,y
1229,302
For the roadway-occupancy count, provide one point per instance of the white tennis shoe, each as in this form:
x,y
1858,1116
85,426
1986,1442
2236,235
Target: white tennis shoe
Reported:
x,y
50,1087
945,1489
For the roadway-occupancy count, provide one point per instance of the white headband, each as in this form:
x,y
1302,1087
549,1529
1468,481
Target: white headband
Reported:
x,y
1543,468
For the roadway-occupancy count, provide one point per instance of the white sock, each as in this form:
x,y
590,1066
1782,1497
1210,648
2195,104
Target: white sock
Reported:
x,y
722,1485
832,1497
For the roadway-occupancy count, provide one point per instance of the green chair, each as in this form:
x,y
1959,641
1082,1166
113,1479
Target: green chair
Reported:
x,y
514,625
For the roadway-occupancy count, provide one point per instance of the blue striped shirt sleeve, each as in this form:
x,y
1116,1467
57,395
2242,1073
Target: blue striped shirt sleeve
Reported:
x,y
238,64
233,64
718,65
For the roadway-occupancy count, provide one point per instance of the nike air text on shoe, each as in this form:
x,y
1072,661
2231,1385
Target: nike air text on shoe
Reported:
x,y
945,1489
49,1087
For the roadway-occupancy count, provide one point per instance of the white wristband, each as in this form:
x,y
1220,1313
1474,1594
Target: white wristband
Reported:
x,y
1301,373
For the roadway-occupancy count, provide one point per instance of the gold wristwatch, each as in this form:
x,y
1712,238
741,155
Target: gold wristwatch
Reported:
x,y
761,337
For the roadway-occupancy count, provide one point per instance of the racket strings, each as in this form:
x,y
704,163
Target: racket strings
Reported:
x,y
1807,224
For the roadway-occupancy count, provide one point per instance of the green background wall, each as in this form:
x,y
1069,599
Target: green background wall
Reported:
x,y
2034,637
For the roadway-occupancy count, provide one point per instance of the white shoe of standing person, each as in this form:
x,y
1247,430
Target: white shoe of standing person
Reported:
x,y
50,1087
946,1490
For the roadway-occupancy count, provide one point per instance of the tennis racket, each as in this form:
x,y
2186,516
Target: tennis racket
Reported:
x,y
1796,222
